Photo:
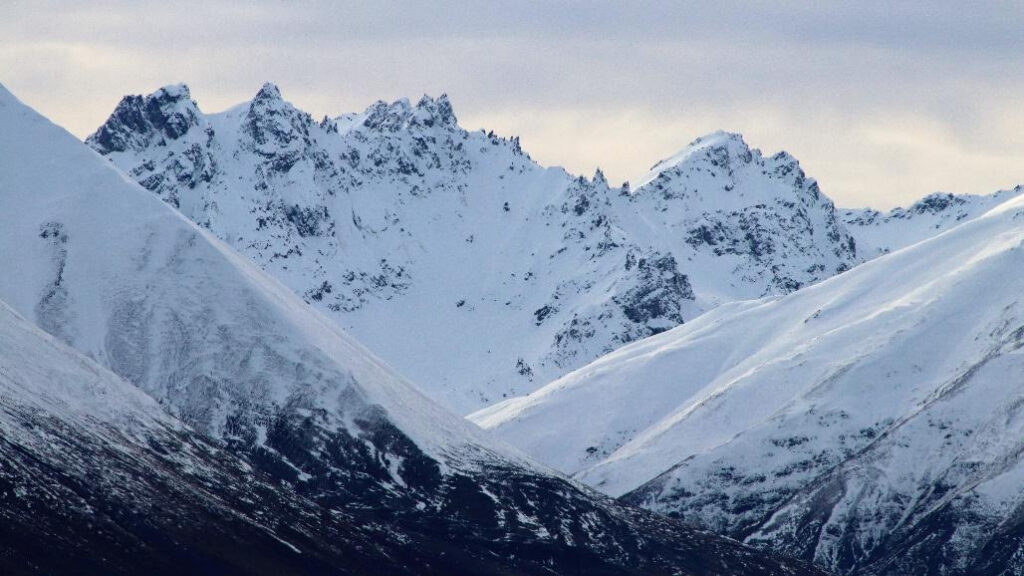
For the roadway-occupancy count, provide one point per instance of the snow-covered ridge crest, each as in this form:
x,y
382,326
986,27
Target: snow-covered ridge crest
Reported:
x,y
717,147
398,223
881,233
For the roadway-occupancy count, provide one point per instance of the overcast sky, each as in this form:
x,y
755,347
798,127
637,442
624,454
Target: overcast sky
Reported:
x,y
882,103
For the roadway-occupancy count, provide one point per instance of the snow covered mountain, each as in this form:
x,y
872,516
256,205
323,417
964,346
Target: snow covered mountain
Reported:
x,y
871,423
299,442
470,268
877,233
95,478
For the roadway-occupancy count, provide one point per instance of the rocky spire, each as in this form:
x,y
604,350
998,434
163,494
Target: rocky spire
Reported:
x,y
166,114
271,119
435,111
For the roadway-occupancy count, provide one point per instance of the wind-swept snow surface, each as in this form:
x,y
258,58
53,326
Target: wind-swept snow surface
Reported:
x,y
349,456
473,270
871,423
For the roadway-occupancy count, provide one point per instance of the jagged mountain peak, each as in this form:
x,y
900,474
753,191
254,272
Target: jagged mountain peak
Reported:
x,y
739,175
138,121
268,92
718,148
401,115
436,110
275,124
269,102
733,142
722,152
937,202
177,91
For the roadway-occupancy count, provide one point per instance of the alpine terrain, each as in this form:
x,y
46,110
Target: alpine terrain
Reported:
x,y
880,233
871,423
185,411
462,262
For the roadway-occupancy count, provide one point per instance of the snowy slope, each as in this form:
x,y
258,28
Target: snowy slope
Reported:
x,y
65,423
95,478
473,270
879,233
349,448
871,423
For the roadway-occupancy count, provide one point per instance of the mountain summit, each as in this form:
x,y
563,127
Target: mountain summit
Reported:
x,y
460,260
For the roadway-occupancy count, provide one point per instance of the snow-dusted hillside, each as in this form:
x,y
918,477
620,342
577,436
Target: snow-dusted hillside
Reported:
x,y
95,478
361,465
473,270
879,233
871,423
86,458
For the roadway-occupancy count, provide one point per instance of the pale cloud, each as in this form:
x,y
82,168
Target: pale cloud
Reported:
x,y
882,103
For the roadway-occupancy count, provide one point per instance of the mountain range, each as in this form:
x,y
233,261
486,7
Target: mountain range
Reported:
x,y
472,269
166,406
714,342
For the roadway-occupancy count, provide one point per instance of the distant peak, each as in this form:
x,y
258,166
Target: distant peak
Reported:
x,y
272,121
267,102
269,91
166,114
400,114
174,91
936,202
399,107
718,138
431,111
719,148
731,144
429,102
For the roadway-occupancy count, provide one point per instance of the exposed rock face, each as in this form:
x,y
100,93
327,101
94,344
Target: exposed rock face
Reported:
x,y
428,241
